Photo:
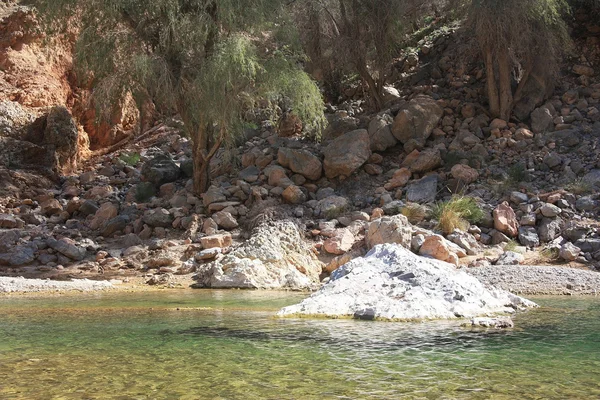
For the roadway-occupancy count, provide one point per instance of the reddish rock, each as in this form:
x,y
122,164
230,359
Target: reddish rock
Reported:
x,y
340,243
346,154
505,220
435,246
216,241
293,195
464,173
400,178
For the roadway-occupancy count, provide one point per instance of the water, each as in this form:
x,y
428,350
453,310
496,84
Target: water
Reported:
x,y
228,345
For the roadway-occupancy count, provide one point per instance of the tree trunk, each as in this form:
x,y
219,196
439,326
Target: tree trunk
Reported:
x,y
374,89
504,82
492,89
201,177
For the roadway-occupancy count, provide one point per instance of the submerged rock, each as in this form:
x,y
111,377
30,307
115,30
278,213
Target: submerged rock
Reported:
x,y
391,283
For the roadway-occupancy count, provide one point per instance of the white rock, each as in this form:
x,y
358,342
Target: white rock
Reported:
x,y
391,283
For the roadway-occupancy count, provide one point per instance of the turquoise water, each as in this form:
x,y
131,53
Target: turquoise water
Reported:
x,y
228,345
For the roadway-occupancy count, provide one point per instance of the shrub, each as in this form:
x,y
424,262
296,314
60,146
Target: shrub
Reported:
x,y
458,213
580,187
130,159
414,212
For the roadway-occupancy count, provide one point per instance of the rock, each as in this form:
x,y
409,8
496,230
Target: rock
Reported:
x,y
220,241
523,134
426,161
301,162
61,138
225,220
380,133
389,229
275,257
338,262
569,252
466,241
518,197
114,225
105,213
464,173
391,283
528,236
88,207
340,243
68,248
552,160
423,190
393,208
208,254
158,218
549,229
8,221
550,210
346,154
542,120
485,322
417,121
586,203
339,124
51,207
18,256
213,195
160,170
250,174
331,207
278,177
505,220
293,195
436,247
400,178
592,177
584,70
510,258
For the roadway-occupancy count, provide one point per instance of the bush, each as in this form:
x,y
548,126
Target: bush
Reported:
x,y
458,213
130,159
580,187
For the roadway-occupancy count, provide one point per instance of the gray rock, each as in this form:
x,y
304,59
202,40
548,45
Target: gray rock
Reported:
x,y
338,125
275,257
225,220
8,221
549,229
391,283
301,162
417,121
586,203
484,322
18,256
346,154
115,224
389,229
249,174
332,207
160,170
552,160
569,252
541,120
590,245
528,236
550,210
510,258
158,218
393,207
518,197
68,248
423,190
88,207
466,241
380,133
592,177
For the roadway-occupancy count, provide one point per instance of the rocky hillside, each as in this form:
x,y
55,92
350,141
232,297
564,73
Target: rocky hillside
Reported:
x,y
433,173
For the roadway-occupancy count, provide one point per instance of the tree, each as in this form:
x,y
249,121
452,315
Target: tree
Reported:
x,y
520,38
363,35
207,60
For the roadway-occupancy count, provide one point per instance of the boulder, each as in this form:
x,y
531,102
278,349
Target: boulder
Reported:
x,y
346,154
340,243
51,207
160,170
505,220
464,173
68,248
399,179
339,123
105,213
293,195
61,138
275,257
380,133
158,218
116,224
528,236
18,256
426,161
549,229
331,207
417,121
301,162
225,220
435,246
389,229
216,241
213,195
569,252
542,120
7,221
510,258
391,283
423,191
550,210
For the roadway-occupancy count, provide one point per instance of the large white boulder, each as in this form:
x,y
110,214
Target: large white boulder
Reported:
x,y
391,283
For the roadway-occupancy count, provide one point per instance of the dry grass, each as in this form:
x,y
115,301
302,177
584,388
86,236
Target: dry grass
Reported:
x,y
457,213
415,213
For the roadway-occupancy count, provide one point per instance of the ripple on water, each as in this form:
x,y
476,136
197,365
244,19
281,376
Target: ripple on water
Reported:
x,y
229,346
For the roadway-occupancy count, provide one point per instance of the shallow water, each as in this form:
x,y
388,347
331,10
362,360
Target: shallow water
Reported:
x,y
228,345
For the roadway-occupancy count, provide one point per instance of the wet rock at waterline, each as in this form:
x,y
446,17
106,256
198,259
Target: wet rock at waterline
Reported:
x,y
391,283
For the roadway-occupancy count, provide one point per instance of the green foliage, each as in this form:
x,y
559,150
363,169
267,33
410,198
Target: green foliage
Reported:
x,y
457,213
517,174
130,159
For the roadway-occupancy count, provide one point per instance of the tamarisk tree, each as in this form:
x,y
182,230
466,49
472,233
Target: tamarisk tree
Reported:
x,y
209,61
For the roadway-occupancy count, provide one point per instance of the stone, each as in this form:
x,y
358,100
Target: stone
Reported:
x,y
510,258
278,177
550,210
426,161
569,252
391,283
542,120
293,195
549,229
339,124
584,70
51,207
586,203
346,154
160,170
466,241
208,254
340,243
105,213
485,322
552,160
337,262
436,247
158,217
220,241
249,174
213,195
393,207
380,133
88,207
115,225
518,197
399,179
8,221
225,220
275,257
423,191
464,173
301,162
528,236
523,134
592,177
61,139
505,220
68,248
331,207
18,256
389,229
417,120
